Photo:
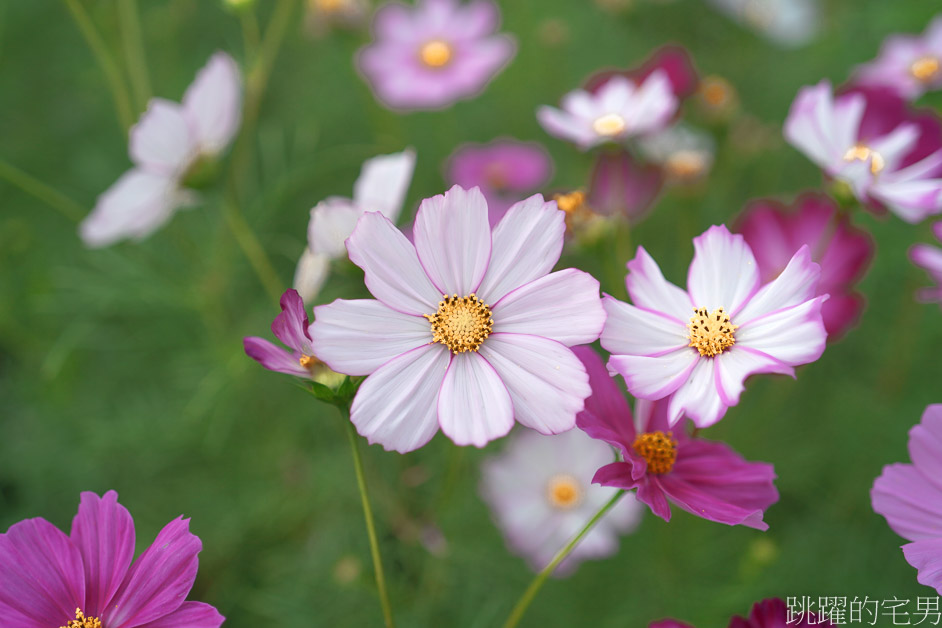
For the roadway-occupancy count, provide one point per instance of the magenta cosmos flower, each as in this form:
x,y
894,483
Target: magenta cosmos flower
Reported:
x,y
469,329
86,580
929,258
775,232
435,53
291,328
705,478
910,497
910,65
700,345
876,166
505,170
769,613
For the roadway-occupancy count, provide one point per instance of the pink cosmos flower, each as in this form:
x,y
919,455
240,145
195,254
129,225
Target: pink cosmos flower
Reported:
x,y
768,613
430,55
505,170
907,64
700,345
291,328
166,144
469,330
618,109
775,232
929,258
685,154
621,184
540,493
673,60
705,478
788,23
910,497
86,579
875,167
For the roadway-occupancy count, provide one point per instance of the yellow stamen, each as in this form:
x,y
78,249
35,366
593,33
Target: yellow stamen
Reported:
x,y
658,449
863,153
716,91
609,125
563,491
461,323
925,69
435,53
711,334
308,361
571,202
81,621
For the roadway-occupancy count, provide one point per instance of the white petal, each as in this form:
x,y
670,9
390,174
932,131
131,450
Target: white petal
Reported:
x,y
162,141
213,103
632,331
383,183
735,365
649,289
698,398
567,127
474,406
653,104
310,274
723,273
655,377
332,222
794,336
796,284
134,207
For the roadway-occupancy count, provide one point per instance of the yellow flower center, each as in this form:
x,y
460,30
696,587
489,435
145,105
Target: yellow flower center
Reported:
x,y
81,621
609,125
925,69
461,323
436,53
658,449
563,491
686,165
711,333
716,91
863,152
308,361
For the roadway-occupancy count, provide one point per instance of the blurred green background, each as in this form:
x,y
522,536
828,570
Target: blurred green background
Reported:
x,y
123,368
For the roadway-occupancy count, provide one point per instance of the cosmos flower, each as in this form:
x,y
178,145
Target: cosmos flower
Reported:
x,y
685,154
291,328
321,16
169,144
910,497
540,493
788,23
699,346
672,60
621,184
775,232
434,53
469,329
381,187
929,258
618,109
907,64
87,580
505,170
876,166
705,478
768,613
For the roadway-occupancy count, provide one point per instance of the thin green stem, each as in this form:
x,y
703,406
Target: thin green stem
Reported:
x,y
41,191
250,35
524,602
370,527
119,92
252,249
133,43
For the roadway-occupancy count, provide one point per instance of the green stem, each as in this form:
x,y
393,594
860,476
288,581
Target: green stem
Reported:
x,y
133,43
524,602
368,516
39,190
112,74
252,249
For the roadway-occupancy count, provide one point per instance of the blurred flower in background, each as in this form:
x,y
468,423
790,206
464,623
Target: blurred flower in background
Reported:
x,y
789,23
323,15
540,493
768,613
170,145
434,53
929,258
910,65
685,154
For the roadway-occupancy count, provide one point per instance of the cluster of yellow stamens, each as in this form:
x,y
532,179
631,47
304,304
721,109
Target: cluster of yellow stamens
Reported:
x,y
711,333
925,69
658,449
863,152
461,323
435,53
609,125
308,361
563,491
81,621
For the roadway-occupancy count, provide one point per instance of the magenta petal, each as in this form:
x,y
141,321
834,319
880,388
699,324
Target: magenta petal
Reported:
x,y
926,557
272,357
606,416
41,582
669,623
652,493
619,184
290,327
103,532
189,615
925,445
616,475
159,580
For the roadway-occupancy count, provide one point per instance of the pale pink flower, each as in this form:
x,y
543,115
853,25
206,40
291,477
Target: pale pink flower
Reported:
x,y
469,330
788,23
929,258
700,345
168,142
910,65
615,111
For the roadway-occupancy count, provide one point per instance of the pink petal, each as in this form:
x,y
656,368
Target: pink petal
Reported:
x,y
393,272
565,126
103,532
910,502
397,406
159,580
926,557
546,381
669,623
290,326
735,365
332,222
796,284
136,205
607,415
698,397
616,475
189,615
310,274
649,289
630,330
621,184
474,407
563,306
383,183
925,445
42,581
161,141
453,239
723,273
527,244
213,103
358,337
794,335
655,377
272,357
